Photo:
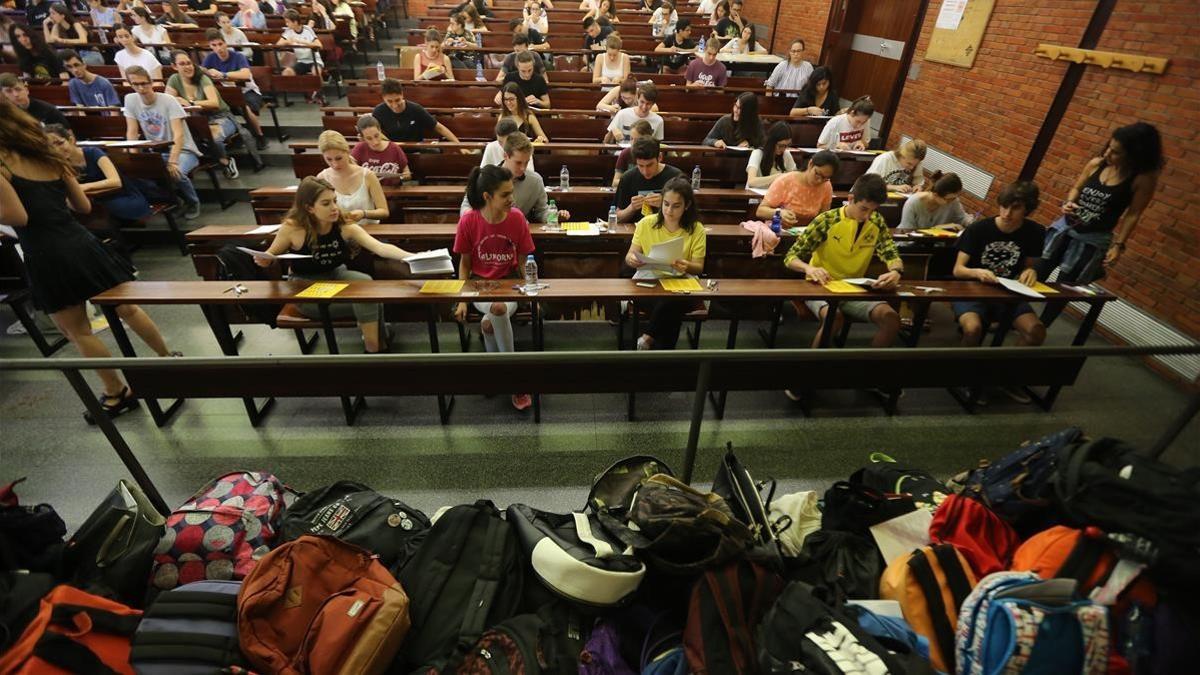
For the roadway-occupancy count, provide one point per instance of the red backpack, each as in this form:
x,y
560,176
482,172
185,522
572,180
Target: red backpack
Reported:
x,y
221,532
74,632
986,541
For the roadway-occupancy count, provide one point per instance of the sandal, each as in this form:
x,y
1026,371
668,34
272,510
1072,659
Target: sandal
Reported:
x,y
114,406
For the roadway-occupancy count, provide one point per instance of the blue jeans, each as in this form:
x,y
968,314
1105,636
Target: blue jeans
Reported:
x,y
187,162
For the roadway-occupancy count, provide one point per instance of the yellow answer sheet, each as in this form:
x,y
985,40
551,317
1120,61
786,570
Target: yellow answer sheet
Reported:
x,y
576,227
1043,288
443,286
321,289
681,284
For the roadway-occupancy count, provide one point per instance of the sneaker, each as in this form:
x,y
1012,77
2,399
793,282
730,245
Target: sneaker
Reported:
x,y
175,355
261,142
792,395
1017,394
231,170
192,212
643,345
522,401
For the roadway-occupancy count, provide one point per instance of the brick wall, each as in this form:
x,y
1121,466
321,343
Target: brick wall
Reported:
x,y
797,18
990,114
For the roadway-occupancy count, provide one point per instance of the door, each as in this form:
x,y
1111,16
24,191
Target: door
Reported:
x,y
869,46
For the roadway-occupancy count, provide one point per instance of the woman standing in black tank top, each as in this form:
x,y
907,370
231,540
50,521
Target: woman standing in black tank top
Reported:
x,y
1102,209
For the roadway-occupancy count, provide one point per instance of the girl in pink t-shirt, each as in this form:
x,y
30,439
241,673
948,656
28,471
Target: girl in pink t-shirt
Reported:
x,y
492,241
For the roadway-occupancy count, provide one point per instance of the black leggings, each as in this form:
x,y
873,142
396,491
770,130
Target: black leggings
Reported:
x,y
666,318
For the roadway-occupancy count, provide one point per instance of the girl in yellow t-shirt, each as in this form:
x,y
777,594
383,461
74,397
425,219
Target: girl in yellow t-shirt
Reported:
x,y
678,219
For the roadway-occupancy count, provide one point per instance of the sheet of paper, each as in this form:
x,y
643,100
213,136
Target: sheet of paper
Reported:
x,y
951,14
681,284
899,196
8,231
860,281
1043,288
429,255
936,232
322,289
662,255
447,286
762,192
265,229
902,534
263,255
590,231
839,286
1018,287
739,148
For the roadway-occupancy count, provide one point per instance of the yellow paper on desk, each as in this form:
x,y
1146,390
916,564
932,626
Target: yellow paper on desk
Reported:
x,y
576,227
937,232
681,284
321,289
1043,288
839,286
444,286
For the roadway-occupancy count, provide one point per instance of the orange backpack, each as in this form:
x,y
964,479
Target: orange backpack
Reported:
x,y
931,584
74,632
321,605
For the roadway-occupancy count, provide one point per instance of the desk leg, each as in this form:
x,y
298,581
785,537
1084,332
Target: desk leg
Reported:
x,y
118,329
718,399
445,403
689,456
920,315
772,331
535,311
631,398
350,407
826,327
1081,337
219,325
116,440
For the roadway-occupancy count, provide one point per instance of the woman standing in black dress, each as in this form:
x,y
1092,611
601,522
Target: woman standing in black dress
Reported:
x,y
65,263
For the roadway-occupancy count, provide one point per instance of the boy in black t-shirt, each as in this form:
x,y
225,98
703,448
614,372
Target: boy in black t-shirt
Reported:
x,y
1002,247
534,86
639,192
405,121
679,45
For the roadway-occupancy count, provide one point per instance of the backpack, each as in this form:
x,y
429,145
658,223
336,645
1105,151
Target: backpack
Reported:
x,y
221,532
546,642
930,585
1016,622
110,554
735,485
235,265
842,564
614,488
74,632
1095,486
1062,552
31,537
855,507
467,576
1019,486
888,476
321,605
191,630
355,513
574,557
726,606
986,541
803,633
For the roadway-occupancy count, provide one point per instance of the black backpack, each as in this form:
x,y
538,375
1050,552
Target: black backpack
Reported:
x,y
546,642
467,576
726,606
843,565
359,515
31,537
235,265
889,476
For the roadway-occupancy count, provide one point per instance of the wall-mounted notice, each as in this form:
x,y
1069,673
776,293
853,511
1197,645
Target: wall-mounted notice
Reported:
x,y
951,14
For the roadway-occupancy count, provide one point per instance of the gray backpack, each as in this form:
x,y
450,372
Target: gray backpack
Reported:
x,y
189,630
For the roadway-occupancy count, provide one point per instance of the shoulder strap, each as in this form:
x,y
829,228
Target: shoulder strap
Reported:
x,y
74,657
951,565
184,647
922,571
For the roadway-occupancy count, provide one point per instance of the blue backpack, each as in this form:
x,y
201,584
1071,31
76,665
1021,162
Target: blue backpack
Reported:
x,y
1018,622
191,629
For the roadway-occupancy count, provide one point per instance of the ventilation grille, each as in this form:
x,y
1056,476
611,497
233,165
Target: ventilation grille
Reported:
x,y
975,180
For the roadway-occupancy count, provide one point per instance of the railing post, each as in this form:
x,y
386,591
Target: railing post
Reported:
x,y
702,379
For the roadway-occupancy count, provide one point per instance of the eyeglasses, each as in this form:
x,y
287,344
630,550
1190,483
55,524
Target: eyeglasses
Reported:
x,y
139,85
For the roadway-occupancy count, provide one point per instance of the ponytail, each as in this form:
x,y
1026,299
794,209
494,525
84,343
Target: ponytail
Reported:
x,y
863,105
482,180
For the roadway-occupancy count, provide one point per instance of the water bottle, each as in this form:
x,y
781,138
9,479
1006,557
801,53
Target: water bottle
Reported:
x,y
696,178
612,218
552,215
102,35
700,47
379,72
737,43
479,39
479,71
657,29
531,276
776,222
564,179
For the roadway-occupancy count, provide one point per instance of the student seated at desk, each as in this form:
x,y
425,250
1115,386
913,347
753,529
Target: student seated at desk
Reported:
x,y
791,74
493,152
535,17
16,92
132,55
679,45
640,129
316,226
533,86
838,244
595,32
939,207
65,264
603,9
148,32
745,43
34,58
102,17
86,87
359,194
705,70
818,97
529,188
772,159
406,121
62,30
513,107
622,97
537,40
647,97
901,168
97,173
492,242
639,191
191,87
249,15
679,219
377,154
851,130
159,117
230,34
613,66
741,128
431,62
1004,247
307,57
225,64
664,19
521,44
731,26
800,195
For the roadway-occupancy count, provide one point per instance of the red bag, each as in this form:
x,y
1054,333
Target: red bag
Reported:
x,y
986,541
221,532
1064,552
74,632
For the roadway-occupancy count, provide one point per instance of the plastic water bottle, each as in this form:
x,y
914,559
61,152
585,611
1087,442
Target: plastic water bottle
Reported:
x,y
379,71
737,43
478,39
479,71
658,29
776,222
531,276
102,35
552,214
696,178
700,47
564,179
612,218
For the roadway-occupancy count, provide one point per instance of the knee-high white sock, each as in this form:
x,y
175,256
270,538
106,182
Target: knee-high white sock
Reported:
x,y
489,340
503,332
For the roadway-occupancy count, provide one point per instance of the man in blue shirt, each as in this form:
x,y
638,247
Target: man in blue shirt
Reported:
x,y
87,88
229,64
